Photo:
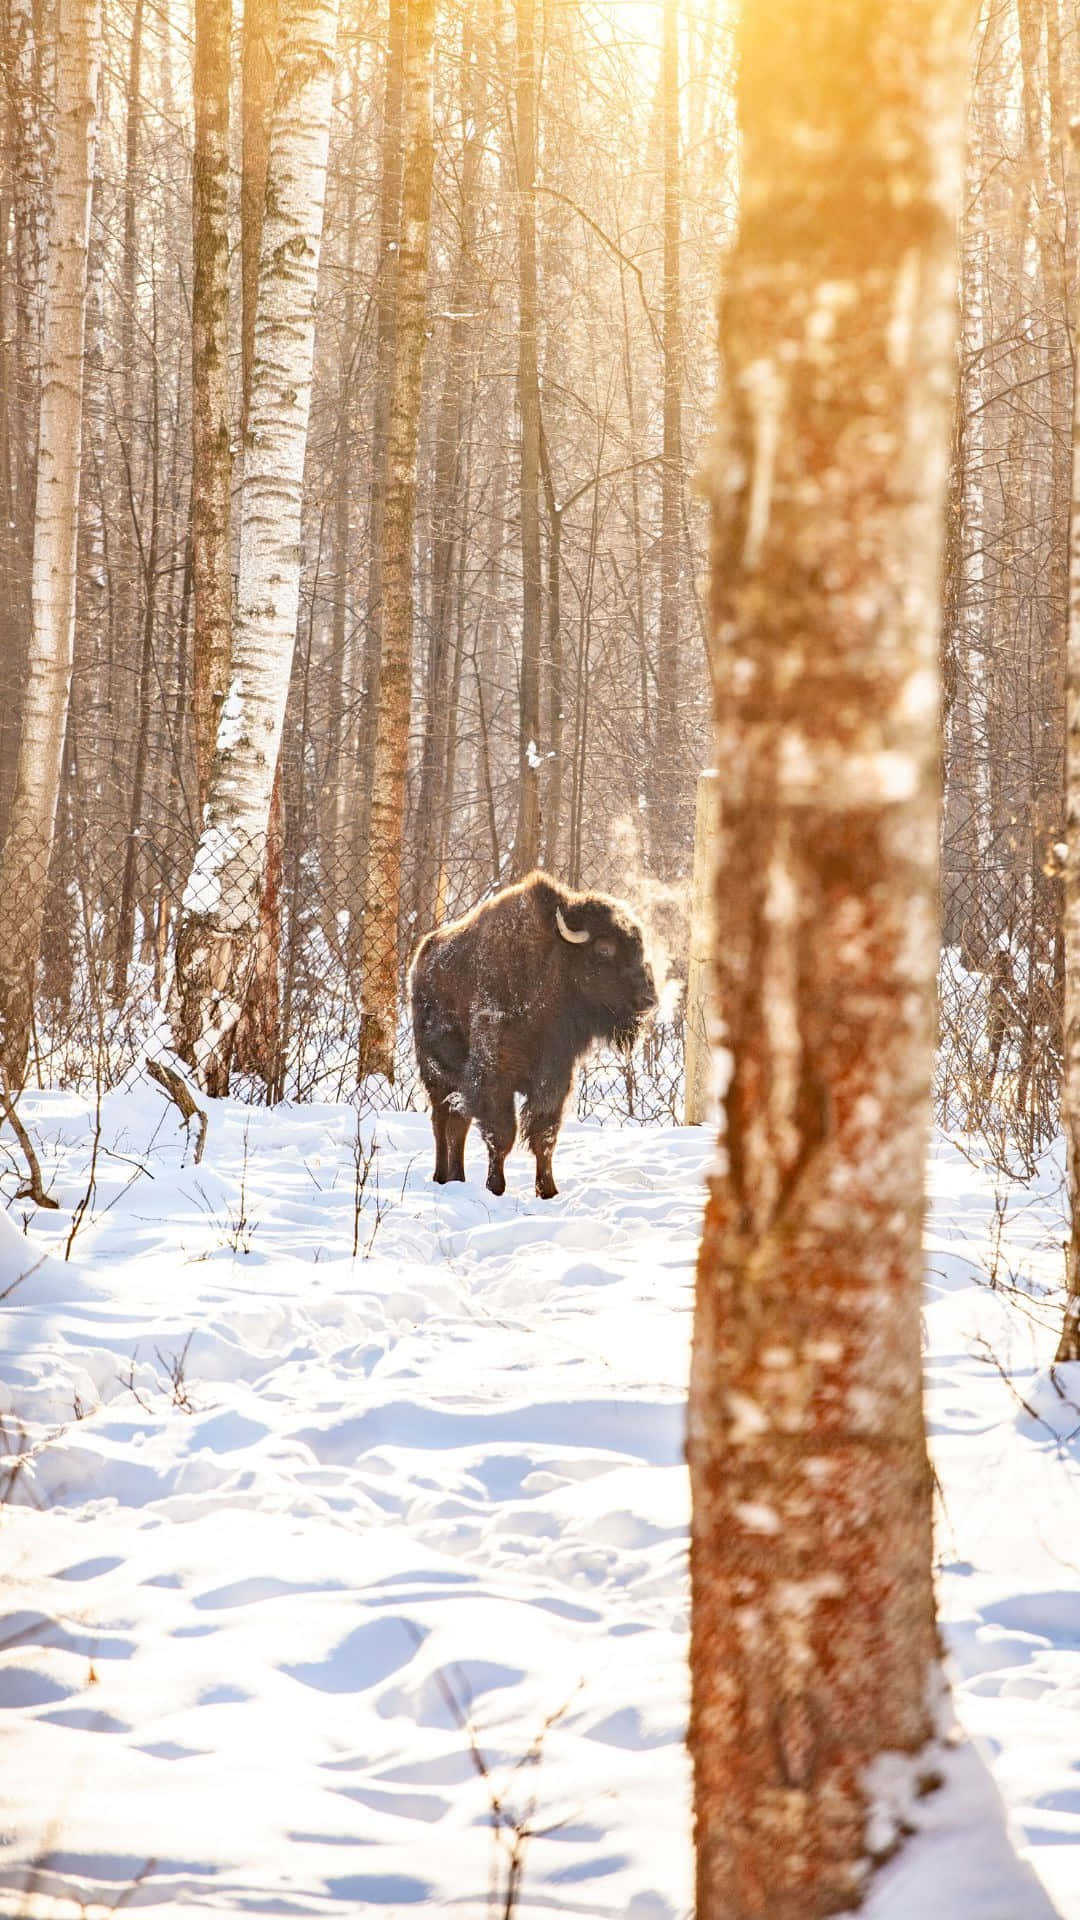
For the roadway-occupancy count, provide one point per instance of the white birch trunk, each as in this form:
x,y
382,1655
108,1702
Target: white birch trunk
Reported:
x,y
25,864
211,424
530,759
665,824
220,914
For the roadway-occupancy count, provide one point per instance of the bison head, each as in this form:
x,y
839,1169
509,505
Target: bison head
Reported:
x,y
613,981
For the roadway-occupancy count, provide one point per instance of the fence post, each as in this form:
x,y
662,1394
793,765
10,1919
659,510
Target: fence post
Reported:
x,y
698,1095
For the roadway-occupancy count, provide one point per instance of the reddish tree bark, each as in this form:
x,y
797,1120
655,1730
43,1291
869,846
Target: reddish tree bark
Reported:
x,y
813,1641
380,951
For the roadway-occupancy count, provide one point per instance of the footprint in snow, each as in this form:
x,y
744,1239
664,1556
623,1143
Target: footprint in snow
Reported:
x,y
86,1720
1053,1614
445,1697
244,1593
380,1889
90,1569
172,1750
443,1770
366,1657
28,1687
627,1729
427,1807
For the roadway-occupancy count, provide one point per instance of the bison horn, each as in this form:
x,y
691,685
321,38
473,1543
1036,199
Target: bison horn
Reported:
x,y
576,939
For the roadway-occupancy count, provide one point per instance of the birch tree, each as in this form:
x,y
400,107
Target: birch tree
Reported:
x,y
813,1638
210,417
665,800
22,260
391,161
220,914
527,831
435,793
25,863
258,1033
380,951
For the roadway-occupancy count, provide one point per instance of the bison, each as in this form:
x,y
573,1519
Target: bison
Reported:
x,y
506,1000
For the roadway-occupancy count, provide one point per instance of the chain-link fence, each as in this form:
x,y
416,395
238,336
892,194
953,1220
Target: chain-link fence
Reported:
x,y
111,912
105,991
1001,986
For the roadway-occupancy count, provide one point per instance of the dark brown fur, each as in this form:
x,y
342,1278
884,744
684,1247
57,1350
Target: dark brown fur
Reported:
x,y
503,1003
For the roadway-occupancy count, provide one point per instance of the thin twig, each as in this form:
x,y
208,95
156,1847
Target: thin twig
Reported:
x,y
33,1190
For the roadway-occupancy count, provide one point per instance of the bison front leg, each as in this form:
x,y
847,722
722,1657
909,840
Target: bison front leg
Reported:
x,y
543,1146
540,1124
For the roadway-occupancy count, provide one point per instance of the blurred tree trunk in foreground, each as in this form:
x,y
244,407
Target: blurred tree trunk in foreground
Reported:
x,y
28,846
814,1643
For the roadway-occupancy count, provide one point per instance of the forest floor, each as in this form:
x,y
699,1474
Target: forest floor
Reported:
x,y
338,1581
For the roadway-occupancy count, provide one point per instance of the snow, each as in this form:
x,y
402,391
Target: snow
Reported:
x,y
217,846
231,722
314,1561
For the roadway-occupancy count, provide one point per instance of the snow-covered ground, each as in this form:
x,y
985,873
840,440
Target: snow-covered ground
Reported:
x,y
343,1582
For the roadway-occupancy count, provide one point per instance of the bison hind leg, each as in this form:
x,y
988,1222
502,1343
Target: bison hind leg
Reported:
x,y
497,1122
450,1126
